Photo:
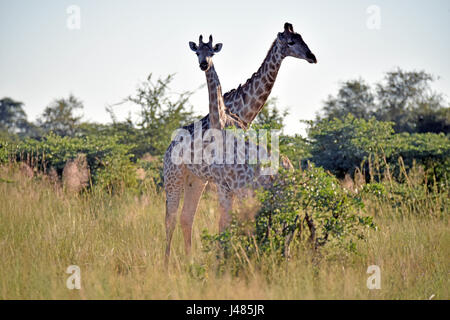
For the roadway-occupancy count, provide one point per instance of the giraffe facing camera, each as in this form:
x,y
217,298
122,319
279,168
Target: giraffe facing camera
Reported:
x,y
205,51
236,109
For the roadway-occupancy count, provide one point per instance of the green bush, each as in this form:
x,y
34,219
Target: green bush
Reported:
x,y
302,207
314,208
341,146
153,168
4,151
109,162
296,148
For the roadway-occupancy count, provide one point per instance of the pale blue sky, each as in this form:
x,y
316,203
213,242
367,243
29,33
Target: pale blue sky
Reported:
x,y
120,42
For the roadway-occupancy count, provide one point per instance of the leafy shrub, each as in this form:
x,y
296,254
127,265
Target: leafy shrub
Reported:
x,y
4,151
314,206
306,206
153,168
161,112
109,162
341,146
296,148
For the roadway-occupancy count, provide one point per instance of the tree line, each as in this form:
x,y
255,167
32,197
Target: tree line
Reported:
x,y
400,116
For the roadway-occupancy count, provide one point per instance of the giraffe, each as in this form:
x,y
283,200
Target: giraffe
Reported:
x,y
231,177
205,52
192,180
247,100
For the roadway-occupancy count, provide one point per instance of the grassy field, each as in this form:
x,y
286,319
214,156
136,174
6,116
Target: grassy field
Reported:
x,y
118,242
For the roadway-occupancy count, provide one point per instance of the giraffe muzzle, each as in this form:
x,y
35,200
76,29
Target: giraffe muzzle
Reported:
x,y
204,65
311,58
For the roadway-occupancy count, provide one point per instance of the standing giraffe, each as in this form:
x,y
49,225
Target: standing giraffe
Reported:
x,y
231,177
247,100
193,178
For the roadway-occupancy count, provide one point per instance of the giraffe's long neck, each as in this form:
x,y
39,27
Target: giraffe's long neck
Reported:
x,y
247,100
217,116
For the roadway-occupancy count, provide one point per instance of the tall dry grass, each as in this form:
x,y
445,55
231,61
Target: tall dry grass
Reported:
x,y
118,242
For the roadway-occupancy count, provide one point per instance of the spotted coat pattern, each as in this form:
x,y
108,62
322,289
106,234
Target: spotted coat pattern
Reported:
x,y
236,108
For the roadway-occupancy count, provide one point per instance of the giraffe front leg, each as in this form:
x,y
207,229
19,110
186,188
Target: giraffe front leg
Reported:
x,y
225,207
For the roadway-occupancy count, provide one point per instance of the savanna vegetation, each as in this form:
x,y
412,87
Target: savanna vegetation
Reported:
x,y
370,187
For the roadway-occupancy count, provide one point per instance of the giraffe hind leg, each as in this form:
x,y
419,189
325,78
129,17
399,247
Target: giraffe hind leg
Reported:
x,y
173,184
193,190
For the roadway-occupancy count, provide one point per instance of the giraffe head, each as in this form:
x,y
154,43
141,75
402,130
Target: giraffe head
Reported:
x,y
293,45
205,51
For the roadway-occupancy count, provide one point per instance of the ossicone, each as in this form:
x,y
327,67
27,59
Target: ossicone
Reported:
x,y
288,27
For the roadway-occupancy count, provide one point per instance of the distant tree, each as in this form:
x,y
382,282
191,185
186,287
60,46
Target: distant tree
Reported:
x,y
13,121
13,118
160,113
403,95
60,117
93,129
354,97
431,119
31,130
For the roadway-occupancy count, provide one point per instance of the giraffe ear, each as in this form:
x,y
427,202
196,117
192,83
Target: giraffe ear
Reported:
x,y
288,27
217,47
193,46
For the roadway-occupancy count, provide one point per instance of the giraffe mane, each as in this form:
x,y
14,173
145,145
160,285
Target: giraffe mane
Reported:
x,y
239,88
